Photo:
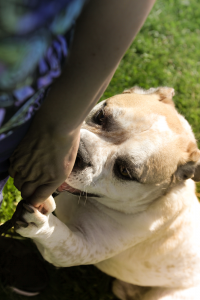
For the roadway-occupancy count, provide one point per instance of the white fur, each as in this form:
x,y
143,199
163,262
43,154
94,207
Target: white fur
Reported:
x,y
147,233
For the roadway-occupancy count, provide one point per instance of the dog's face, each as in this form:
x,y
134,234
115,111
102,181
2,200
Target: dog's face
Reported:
x,y
133,147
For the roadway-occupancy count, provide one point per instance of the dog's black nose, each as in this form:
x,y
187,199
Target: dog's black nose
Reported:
x,y
82,160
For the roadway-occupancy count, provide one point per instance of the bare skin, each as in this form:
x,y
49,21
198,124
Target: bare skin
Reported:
x,y
45,157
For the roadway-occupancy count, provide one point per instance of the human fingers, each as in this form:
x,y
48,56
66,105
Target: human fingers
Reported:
x,y
17,167
29,186
21,154
30,179
29,182
41,194
37,191
13,169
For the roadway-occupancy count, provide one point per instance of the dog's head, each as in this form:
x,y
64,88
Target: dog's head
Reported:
x,y
133,147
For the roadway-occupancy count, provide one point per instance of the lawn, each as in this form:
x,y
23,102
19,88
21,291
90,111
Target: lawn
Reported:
x,y
166,52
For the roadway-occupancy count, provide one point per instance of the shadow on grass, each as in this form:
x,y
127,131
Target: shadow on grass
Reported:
x,y
77,283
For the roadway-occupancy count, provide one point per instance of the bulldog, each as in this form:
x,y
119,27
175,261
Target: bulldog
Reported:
x,y
129,205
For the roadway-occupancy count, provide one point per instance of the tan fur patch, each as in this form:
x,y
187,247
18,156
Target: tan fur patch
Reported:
x,y
148,104
166,95
194,153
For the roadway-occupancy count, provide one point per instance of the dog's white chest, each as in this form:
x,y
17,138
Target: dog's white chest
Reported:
x,y
162,269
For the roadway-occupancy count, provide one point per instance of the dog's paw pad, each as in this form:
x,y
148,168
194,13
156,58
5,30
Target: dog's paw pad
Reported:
x,y
30,216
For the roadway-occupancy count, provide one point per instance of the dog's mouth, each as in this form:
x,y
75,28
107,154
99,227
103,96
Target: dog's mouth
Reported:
x,y
82,161
65,187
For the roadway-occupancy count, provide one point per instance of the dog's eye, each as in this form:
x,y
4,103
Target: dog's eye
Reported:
x,y
99,117
124,172
121,171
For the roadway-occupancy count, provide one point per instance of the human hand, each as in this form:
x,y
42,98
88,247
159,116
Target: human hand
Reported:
x,y
42,162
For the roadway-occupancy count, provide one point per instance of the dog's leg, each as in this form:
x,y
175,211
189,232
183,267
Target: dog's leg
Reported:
x,y
91,236
127,291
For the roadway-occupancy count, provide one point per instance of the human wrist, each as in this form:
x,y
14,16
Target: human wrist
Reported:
x,y
56,127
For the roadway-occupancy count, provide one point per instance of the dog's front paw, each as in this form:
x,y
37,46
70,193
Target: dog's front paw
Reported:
x,y
34,222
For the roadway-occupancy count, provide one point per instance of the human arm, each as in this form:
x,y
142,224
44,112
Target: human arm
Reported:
x,y
45,157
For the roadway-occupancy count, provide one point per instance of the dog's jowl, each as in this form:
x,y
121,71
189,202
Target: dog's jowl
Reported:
x,y
129,205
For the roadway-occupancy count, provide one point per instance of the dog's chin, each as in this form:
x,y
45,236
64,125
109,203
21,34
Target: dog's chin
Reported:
x,y
65,187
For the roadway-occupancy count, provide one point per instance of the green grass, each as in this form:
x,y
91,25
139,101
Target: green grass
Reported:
x,y
166,52
11,196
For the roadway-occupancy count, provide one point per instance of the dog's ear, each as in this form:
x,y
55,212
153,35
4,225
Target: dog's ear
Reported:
x,y
165,95
191,168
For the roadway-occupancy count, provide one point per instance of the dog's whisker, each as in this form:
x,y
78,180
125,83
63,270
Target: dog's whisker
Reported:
x,y
85,197
79,198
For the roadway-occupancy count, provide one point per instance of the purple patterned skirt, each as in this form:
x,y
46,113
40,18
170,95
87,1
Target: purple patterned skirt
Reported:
x,y
26,101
